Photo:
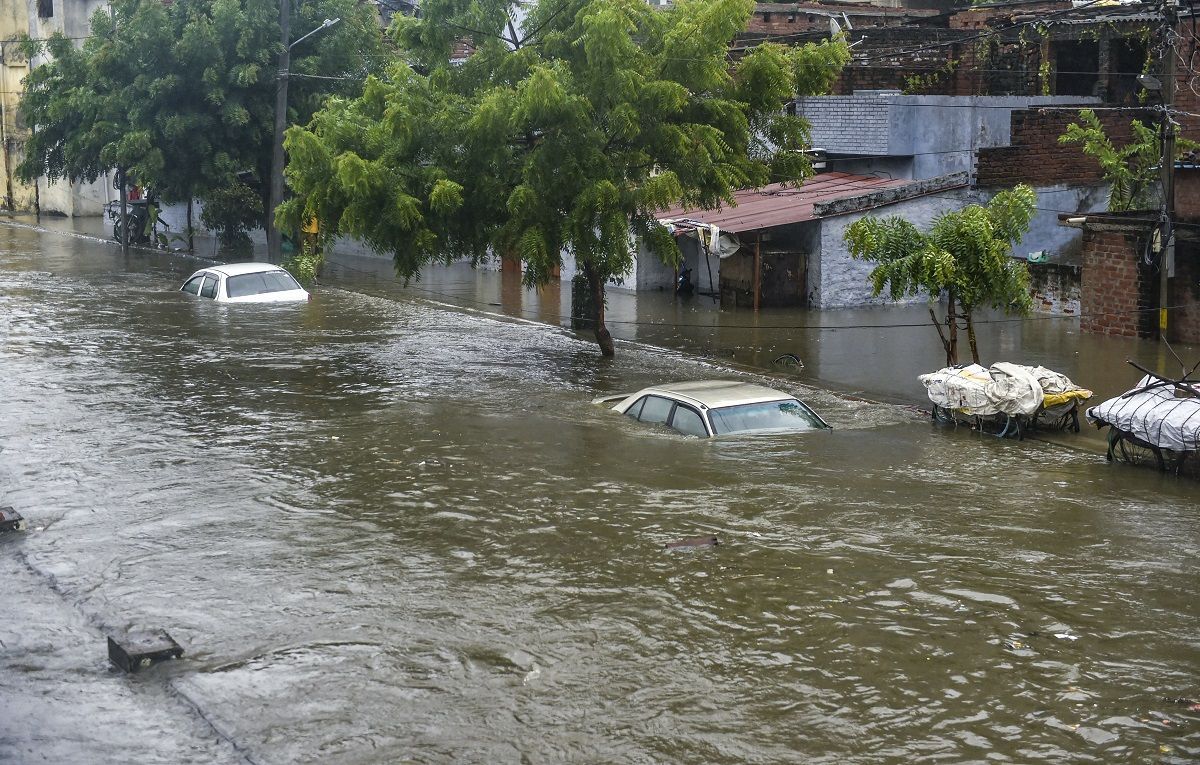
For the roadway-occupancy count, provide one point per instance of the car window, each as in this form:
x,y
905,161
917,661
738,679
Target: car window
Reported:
x,y
656,409
636,409
688,421
260,283
193,285
788,414
209,290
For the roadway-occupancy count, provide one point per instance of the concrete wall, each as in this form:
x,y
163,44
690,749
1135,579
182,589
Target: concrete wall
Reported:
x,y
13,67
838,281
939,133
71,18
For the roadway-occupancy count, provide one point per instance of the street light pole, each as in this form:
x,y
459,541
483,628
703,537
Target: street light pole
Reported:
x,y
274,240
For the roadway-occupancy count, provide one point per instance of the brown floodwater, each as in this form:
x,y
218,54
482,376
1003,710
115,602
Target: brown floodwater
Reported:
x,y
390,526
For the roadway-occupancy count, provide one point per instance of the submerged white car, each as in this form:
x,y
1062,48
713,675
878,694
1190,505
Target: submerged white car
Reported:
x,y
245,283
708,408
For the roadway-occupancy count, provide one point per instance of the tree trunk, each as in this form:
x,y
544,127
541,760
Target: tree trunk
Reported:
x,y
971,336
941,335
952,320
603,338
191,236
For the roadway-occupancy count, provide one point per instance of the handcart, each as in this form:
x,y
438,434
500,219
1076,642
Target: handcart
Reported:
x,y
1157,422
1006,400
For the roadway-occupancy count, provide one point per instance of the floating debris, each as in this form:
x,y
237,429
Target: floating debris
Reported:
x,y
789,360
11,520
710,541
136,651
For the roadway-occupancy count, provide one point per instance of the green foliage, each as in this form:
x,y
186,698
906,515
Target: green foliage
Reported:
x,y
1131,170
606,113
182,94
923,83
232,211
965,254
306,264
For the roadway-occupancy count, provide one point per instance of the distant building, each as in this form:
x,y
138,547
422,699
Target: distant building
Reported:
x,y
39,19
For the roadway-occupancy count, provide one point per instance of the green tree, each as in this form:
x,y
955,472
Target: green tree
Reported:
x,y
965,255
181,95
1132,170
568,134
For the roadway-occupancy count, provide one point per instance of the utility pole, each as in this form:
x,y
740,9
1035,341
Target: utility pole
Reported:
x,y
274,248
1166,262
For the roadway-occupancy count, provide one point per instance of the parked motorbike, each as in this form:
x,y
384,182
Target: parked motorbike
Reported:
x,y
683,284
138,214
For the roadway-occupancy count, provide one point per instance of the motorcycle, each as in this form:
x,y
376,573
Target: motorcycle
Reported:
x,y
683,284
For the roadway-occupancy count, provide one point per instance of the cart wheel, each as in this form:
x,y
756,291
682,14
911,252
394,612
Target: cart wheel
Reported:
x,y
942,416
1135,454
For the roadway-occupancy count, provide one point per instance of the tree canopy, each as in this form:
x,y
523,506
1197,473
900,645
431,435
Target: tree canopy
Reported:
x,y
965,255
567,133
181,95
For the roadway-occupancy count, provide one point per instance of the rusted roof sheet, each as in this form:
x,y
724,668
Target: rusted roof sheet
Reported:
x,y
777,205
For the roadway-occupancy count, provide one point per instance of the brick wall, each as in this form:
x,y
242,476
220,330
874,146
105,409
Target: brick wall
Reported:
x,y
1036,157
982,18
1115,289
791,18
1187,194
1184,323
869,120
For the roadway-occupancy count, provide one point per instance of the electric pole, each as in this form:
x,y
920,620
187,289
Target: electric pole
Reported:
x,y
274,244
1166,262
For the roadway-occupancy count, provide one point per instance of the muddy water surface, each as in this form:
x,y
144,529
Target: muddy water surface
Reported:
x,y
390,526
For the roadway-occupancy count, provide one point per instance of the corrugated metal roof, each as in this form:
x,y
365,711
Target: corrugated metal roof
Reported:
x,y
1110,18
777,205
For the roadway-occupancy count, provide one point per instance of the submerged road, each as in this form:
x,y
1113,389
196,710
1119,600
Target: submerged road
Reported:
x,y
389,526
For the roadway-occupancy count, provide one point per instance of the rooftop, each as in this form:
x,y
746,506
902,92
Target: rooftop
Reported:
x,y
779,205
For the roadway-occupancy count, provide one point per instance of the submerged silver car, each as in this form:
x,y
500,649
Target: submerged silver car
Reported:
x,y
708,408
245,283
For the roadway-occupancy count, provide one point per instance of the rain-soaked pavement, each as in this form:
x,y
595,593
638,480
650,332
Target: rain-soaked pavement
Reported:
x,y
389,526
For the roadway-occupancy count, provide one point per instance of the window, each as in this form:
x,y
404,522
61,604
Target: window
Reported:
x,y
193,285
688,421
257,284
209,290
636,409
656,409
788,414
45,9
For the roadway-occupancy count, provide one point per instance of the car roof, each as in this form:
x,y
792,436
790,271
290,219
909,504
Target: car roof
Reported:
x,y
236,269
718,393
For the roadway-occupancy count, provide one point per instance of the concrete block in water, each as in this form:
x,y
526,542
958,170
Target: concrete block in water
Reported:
x,y
138,650
10,520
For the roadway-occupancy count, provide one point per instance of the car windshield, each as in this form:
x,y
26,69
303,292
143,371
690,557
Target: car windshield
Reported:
x,y
257,284
788,414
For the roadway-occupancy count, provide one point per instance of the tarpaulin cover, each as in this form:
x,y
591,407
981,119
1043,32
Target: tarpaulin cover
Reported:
x,y
1004,388
1154,415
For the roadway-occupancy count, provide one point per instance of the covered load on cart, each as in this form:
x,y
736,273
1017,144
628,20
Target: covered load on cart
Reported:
x,y
1156,422
1007,399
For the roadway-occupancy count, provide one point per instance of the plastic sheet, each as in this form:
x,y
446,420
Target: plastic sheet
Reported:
x,y
1154,414
1004,388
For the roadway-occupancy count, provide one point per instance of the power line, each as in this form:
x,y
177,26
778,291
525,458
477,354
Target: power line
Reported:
x,y
543,316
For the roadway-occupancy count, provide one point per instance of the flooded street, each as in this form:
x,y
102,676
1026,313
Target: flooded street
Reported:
x,y
390,526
